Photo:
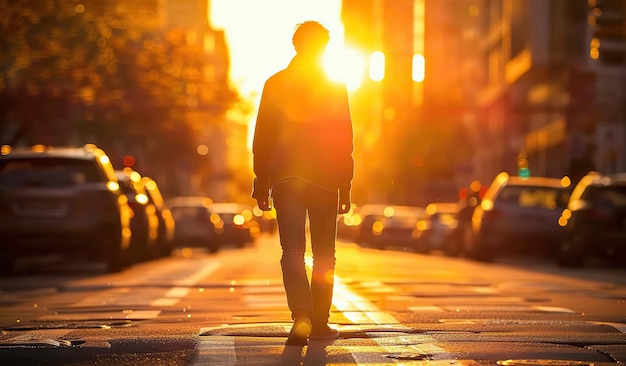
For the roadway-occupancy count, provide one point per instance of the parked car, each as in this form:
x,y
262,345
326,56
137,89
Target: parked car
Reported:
x,y
384,226
144,222
167,225
233,223
62,201
438,227
594,221
518,215
193,224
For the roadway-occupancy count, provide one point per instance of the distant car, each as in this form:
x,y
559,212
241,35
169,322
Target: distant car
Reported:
x,y
594,221
63,201
145,222
193,224
382,226
518,215
167,225
438,227
233,223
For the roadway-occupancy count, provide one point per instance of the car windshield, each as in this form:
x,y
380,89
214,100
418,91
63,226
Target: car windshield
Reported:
x,y
48,172
534,196
615,195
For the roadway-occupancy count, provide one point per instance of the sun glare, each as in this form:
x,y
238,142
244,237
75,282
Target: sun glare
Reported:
x,y
344,64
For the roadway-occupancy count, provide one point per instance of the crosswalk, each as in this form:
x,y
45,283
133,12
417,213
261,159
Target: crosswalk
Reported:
x,y
370,335
381,339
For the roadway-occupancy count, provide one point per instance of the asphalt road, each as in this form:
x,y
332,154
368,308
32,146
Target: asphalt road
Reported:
x,y
392,307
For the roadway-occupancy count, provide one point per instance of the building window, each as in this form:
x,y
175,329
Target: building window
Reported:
x,y
209,43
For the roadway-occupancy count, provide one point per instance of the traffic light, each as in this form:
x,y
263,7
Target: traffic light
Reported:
x,y
522,166
524,173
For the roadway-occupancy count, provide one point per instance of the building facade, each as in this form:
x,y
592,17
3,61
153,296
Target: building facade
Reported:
x,y
508,84
410,125
553,96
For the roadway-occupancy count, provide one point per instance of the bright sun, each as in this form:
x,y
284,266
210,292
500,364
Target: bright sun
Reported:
x,y
344,64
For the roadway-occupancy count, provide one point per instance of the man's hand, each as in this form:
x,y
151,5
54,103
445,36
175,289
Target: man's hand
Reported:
x,y
264,203
344,203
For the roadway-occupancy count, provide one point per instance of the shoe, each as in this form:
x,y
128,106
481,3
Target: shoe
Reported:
x,y
324,333
299,333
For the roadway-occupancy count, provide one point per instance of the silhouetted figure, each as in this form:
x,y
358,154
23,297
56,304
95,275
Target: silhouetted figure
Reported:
x,y
303,144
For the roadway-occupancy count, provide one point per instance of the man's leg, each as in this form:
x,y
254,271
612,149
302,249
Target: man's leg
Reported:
x,y
291,219
323,222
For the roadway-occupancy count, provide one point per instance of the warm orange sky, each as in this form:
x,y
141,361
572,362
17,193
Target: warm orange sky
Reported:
x,y
259,34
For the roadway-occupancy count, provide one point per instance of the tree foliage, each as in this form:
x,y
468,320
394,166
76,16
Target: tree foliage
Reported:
x,y
79,72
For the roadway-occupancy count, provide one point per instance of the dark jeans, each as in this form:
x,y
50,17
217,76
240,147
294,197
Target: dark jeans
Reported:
x,y
293,199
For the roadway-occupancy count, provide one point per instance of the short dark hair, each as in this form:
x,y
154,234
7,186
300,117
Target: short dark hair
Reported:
x,y
310,35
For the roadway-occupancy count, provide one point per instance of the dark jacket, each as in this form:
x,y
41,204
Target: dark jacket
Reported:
x,y
303,129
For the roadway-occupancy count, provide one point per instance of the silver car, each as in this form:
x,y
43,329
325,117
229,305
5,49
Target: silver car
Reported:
x,y
518,215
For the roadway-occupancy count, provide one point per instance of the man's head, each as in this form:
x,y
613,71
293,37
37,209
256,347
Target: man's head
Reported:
x,y
310,38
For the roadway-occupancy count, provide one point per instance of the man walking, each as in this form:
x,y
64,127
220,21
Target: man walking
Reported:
x,y
303,144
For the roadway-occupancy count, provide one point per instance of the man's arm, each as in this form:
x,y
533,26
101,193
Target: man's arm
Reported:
x,y
347,153
261,148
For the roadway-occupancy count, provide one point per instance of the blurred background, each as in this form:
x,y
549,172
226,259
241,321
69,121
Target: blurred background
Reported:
x,y
444,93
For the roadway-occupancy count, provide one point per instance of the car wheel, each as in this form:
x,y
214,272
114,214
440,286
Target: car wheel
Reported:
x,y
478,250
166,249
569,255
453,244
214,247
117,258
618,258
421,247
465,241
7,266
